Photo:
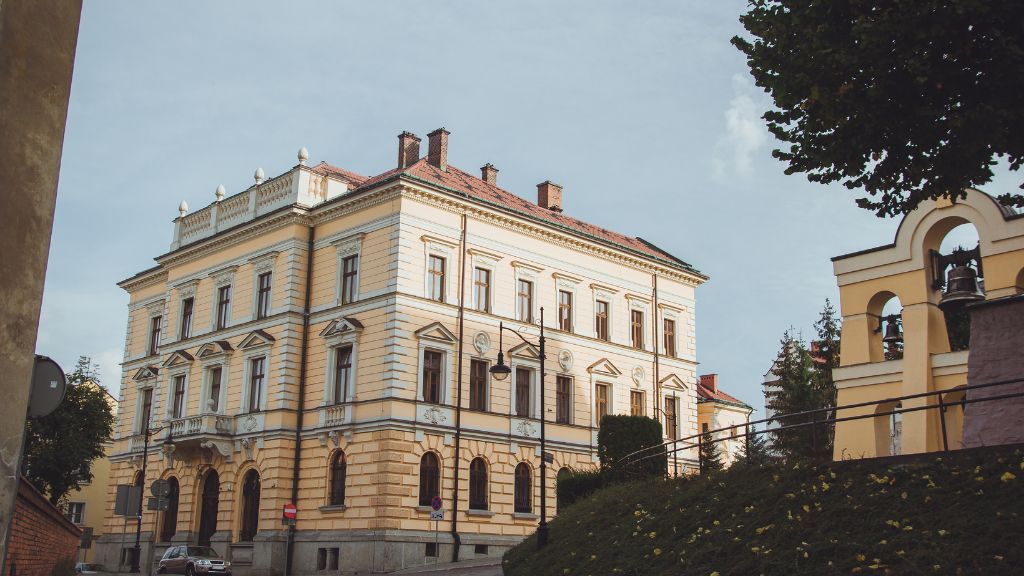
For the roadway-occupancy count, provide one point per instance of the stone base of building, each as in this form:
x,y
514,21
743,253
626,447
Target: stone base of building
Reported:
x,y
316,552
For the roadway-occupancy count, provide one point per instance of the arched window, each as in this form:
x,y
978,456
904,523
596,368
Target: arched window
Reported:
x,y
478,484
250,506
169,526
523,489
211,503
338,470
430,478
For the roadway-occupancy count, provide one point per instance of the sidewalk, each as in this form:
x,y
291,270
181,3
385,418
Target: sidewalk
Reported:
x,y
482,567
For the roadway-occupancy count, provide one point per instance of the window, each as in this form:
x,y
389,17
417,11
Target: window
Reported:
x,y
600,403
147,407
342,373
480,549
523,489
601,320
263,295
185,330
637,328
250,506
338,470
76,512
670,338
430,550
432,360
154,335
565,310
636,403
214,399
732,432
430,478
482,289
563,399
523,376
257,367
524,301
478,484
671,425
223,306
478,385
178,406
436,278
349,270
169,525
327,559
704,428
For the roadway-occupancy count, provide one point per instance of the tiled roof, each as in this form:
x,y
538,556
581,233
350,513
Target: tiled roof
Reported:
x,y
718,395
327,169
460,182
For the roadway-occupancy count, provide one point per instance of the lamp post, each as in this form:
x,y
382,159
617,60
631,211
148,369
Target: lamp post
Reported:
x,y
137,550
501,371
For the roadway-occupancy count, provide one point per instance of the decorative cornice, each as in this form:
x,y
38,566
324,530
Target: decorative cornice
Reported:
x,y
272,221
144,279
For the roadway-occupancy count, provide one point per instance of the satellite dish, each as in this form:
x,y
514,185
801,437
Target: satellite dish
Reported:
x,y
48,387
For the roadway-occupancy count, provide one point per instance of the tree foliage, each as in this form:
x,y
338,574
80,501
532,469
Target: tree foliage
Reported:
x,y
620,435
60,447
710,454
755,450
908,100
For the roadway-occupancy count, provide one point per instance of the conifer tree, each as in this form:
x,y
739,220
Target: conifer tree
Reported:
x,y
755,450
825,354
791,392
710,455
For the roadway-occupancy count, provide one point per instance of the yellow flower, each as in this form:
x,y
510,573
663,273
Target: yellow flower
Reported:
x,y
807,508
566,571
652,534
860,557
1007,476
997,557
593,556
755,549
657,551
942,532
903,495
715,573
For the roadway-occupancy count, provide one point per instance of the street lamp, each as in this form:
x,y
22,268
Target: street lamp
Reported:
x,y
500,371
168,442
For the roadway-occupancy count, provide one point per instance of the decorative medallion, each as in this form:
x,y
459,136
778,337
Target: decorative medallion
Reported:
x,y
565,360
482,342
638,375
250,423
526,428
434,415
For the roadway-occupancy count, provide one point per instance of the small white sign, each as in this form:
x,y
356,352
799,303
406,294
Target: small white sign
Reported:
x,y
437,514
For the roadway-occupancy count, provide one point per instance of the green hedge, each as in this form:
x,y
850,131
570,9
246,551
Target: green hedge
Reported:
x,y
620,436
574,485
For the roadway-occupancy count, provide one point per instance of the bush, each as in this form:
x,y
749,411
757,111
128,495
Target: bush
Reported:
x,y
574,485
620,436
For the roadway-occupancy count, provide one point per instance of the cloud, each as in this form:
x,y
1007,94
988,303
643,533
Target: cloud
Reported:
x,y
745,134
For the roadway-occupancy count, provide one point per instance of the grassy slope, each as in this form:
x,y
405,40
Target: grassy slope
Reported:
x,y
961,513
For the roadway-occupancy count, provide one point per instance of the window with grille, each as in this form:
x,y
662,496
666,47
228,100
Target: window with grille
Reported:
x,y
257,368
436,278
263,295
563,399
565,310
636,403
349,270
524,301
482,289
523,376
430,478
478,484
600,402
223,306
342,373
154,335
523,489
185,328
601,319
637,328
478,384
670,338
178,406
432,371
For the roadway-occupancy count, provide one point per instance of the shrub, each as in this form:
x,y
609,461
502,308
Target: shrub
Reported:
x,y
620,436
574,485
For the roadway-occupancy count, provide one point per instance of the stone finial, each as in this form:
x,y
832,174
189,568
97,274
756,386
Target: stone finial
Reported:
x,y
303,156
182,209
219,193
258,175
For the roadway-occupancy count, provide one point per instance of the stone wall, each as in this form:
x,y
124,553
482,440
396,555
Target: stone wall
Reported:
x,y
42,540
996,345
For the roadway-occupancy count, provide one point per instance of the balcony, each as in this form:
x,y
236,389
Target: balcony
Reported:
x,y
193,434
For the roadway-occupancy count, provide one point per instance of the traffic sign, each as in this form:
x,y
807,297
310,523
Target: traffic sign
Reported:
x,y
437,515
290,511
435,503
160,488
48,387
158,503
548,458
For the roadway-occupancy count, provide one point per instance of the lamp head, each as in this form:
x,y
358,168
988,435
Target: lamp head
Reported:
x,y
500,371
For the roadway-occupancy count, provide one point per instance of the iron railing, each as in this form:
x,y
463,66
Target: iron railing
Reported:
x,y
810,419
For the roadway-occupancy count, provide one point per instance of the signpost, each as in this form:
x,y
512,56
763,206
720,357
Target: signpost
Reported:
x,y
436,514
289,514
160,489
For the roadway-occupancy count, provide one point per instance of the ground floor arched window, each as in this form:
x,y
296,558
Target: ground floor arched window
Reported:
x,y
523,488
430,478
250,506
169,525
478,484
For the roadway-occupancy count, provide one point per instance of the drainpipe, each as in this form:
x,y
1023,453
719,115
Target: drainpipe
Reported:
x,y
657,376
290,554
456,540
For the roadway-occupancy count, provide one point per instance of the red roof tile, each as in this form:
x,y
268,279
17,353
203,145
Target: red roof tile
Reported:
x,y
327,169
460,182
707,394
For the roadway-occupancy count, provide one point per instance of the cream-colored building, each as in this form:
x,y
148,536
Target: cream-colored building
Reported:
x,y
724,416
910,272
312,338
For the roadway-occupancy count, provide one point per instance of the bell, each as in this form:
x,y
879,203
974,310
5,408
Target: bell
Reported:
x,y
892,332
961,288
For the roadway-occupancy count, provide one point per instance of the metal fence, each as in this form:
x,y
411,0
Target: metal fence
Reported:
x,y
817,422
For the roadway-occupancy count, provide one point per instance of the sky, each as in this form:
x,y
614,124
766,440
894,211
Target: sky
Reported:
x,y
644,112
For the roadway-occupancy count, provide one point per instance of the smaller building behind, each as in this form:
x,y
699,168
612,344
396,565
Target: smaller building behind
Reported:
x,y
723,415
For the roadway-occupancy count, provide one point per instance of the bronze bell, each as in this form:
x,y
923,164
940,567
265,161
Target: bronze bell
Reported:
x,y
892,332
961,288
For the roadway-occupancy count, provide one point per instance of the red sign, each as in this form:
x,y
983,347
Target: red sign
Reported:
x,y
435,502
290,511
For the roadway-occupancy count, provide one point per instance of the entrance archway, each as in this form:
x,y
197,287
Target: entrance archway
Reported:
x,y
210,503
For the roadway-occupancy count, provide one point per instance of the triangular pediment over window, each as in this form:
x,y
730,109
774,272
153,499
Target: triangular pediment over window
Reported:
x,y
525,350
211,349
340,326
673,381
436,331
255,339
146,373
604,366
178,358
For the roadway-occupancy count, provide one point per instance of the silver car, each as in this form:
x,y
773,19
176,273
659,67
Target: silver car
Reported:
x,y
193,560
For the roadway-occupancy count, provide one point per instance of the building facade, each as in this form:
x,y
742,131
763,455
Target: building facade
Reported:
x,y
325,339
724,416
931,354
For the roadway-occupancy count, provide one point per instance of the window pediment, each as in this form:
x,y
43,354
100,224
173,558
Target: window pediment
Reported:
x,y
604,367
437,332
255,339
673,381
146,373
342,326
525,350
178,358
214,349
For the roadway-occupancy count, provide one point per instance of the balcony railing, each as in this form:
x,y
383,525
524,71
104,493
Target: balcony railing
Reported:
x,y
215,424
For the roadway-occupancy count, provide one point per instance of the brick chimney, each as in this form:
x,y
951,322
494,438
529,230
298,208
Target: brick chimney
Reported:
x,y
489,174
437,148
549,195
710,381
408,149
